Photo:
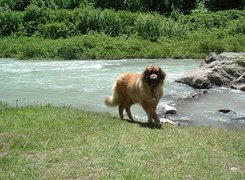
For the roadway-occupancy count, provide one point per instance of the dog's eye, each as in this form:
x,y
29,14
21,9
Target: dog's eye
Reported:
x,y
154,72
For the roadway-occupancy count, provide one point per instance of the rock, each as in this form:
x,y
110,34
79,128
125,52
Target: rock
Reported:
x,y
169,109
225,110
242,87
233,86
197,93
165,120
217,70
241,79
227,56
197,78
212,57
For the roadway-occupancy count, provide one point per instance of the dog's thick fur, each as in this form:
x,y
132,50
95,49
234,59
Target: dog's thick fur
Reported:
x,y
145,88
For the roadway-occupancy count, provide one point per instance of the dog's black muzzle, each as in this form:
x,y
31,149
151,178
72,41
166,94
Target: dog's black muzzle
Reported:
x,y
153,80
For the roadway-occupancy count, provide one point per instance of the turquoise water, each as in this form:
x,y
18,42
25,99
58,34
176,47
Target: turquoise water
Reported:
x,y
85,84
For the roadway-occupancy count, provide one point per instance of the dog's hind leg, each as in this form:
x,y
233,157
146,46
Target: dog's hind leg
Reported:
x,y
121,107
128,110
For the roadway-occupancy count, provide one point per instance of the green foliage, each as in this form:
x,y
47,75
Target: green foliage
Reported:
x,y
237,27
56,30
49,23
20,5
197,34
148,27
172,29
60,4
210,20
10,22
224,4
15,5
101,46
87,20
128,21
162,7
32,17
70,50
110,23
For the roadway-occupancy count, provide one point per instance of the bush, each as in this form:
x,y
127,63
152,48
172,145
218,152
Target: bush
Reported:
x,y
209,20
33,16
70,50
172,29
211,45
60,4
127,20
10,22
61,15
87,20
148,26
237,27
15,5
56,30
110,23
32,51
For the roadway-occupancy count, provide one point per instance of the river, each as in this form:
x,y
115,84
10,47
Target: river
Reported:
x,y
85,83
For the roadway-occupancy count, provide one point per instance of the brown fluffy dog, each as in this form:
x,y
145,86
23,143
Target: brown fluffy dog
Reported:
x,y
145,88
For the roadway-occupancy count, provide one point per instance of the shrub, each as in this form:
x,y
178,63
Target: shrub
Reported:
x,y
32,51
110,23
127,20
61,15
204,20
56,30
237,27
70,50
60,4
10,22
211,45
172,29
87,20
15,5
33,16
148,26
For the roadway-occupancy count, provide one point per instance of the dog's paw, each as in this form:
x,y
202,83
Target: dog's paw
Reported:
x,y
158,125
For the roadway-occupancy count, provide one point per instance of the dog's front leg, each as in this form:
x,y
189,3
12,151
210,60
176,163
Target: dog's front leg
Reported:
x,y
151,112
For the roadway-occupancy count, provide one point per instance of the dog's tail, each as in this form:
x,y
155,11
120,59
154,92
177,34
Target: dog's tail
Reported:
x,y
114,99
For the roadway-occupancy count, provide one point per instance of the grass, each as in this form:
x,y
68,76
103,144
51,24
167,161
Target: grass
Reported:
x,y
46,142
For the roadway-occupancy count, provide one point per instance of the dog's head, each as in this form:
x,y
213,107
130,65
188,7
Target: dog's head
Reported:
x,y
153,75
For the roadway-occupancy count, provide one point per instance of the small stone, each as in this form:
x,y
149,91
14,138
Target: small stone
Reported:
x,y
165,120
169,109
234,168
225,110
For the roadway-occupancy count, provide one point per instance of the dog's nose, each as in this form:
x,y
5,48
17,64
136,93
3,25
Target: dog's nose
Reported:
x,y
153,77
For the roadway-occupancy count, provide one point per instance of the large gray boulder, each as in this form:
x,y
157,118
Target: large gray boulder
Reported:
x,y
225,69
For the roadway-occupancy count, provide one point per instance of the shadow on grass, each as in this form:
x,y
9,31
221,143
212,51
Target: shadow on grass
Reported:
x,y
144,124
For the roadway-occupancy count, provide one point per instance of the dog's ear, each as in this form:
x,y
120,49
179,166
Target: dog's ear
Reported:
x,y
162,74
145,74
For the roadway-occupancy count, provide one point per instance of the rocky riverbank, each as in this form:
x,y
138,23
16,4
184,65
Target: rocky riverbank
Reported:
x,y
225,69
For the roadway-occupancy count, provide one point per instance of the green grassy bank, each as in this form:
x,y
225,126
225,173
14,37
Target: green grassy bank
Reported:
x,y
46,142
